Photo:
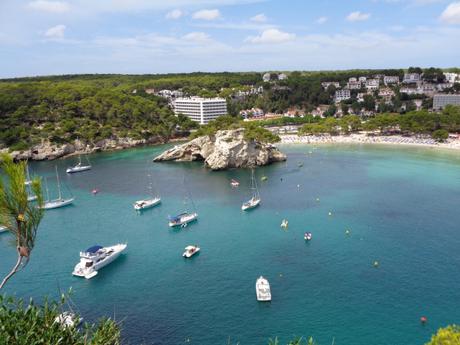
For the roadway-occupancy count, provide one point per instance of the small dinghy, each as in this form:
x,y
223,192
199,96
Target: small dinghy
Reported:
x,y
95,191
190,251
263,290
234,183
307,236
284,223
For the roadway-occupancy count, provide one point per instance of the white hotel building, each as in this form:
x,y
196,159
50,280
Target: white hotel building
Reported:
x,y
201,110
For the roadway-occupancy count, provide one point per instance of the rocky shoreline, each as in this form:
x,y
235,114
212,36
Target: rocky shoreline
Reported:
x,y
226,149
49,151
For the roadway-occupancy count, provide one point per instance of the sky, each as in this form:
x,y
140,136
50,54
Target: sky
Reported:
x,y
48,37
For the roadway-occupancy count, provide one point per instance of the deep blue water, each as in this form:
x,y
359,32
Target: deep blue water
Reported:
x,y
400,204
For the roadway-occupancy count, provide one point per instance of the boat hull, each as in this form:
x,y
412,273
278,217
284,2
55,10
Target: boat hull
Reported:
x,y
250,206
3,229
145,204
184,220
89,273
188,254
78,169
263,291
57,203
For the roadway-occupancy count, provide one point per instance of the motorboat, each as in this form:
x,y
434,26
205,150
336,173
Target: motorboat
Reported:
x,y
263,290
95,191
31,197
96,257
251,203
255,200
234,183
68,319
79,167
307,236
3,229
60,201
284,223
147,203
182,219
190,251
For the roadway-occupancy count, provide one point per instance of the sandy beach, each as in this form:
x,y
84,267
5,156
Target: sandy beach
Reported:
x,y
362,138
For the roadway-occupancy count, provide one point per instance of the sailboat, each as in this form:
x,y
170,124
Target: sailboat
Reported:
x,y
255,200
28,181
60,201
79,167
183,218
149,202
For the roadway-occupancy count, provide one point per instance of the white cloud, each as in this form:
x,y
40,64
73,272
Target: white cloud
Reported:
x,y
174,14
259,18
321,20
56,32
358,16
271,36
207,14
196,37
49,6
451,14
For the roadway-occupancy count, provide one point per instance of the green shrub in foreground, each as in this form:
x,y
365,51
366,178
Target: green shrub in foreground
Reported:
x,y
24,323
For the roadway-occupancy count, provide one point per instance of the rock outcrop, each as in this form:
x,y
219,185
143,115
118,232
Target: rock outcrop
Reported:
x,y
49,151
226,149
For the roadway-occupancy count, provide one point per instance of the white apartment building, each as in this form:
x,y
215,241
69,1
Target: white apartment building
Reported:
x,y
326,84
411,78
362,79
201,110
389,79
282,76
342,95
372,84
266,77
451,77
354,84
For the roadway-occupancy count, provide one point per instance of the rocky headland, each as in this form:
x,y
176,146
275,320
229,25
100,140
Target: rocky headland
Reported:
x,y
49,151
226,149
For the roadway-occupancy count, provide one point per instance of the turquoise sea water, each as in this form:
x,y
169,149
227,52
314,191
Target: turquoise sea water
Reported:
x,y
400,204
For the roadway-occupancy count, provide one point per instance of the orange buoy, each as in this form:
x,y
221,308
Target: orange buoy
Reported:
x,y
423,319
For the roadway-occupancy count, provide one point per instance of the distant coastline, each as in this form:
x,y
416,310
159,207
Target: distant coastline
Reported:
x,y
363,138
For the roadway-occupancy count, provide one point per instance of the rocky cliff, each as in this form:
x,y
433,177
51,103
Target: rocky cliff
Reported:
x,y
225,149
49,151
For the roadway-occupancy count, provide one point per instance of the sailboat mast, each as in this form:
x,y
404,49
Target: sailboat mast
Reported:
x,y
58,183
47,190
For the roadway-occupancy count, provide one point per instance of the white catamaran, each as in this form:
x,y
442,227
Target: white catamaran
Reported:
x,y
255,200
60,201
96,257
152,201
79,167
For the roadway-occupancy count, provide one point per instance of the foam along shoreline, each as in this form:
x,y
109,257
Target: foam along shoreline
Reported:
x,y
362,138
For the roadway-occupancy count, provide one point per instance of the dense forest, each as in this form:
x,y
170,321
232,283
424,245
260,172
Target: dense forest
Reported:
x,y
95,107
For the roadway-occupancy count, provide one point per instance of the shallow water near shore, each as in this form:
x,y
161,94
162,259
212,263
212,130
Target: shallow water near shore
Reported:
x,y
399,204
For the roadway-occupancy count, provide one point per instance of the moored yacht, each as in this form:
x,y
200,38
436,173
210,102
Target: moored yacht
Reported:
x,y
60,201
190,251
96,257
263,290
234,183
182,219
3,229
68,319
147,203
79,167
307,236
255,200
